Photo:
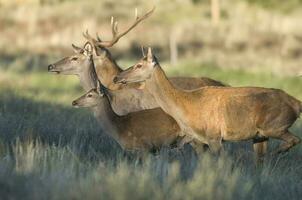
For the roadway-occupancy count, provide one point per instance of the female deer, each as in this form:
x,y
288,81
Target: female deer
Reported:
x,y
215,114
146,130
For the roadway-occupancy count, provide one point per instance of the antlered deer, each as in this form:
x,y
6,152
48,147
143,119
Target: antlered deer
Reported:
x,y
215,114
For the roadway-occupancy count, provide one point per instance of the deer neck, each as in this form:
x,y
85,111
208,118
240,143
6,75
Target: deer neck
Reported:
x,y
109,121
107,69
166,95
88,77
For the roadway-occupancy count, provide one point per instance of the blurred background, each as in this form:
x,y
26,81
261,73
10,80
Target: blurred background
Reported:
x,y
248,34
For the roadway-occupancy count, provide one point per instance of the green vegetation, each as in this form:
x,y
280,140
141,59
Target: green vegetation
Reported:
x,y
49,150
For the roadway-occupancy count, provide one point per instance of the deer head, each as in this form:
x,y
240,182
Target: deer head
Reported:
x,y
91,98
73,65
140,71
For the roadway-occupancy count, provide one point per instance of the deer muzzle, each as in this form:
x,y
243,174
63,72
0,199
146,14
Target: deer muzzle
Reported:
x,y
52,68
75,103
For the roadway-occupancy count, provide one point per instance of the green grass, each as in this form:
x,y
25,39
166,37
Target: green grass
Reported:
x,y
49,150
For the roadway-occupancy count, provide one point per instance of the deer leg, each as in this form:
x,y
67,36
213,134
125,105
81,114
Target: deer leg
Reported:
x,y
289,140
260,149
183,140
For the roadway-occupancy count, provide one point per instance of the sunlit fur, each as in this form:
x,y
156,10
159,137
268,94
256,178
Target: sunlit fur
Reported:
x,y
146,130
215,114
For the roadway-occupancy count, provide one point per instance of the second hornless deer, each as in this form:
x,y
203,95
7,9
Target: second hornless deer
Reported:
x,y
146,130
216,114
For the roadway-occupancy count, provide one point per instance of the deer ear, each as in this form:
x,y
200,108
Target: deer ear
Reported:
x,y
149,55
102,54
77,49
88,48
98,86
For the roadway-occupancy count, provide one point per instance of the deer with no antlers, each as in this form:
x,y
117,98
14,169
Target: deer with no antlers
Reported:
x,y
216,114
147,130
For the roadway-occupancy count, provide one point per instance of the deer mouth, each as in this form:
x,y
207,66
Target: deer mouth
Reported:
x,y
54,72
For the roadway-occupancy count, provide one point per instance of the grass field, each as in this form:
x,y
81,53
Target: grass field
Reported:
x,y
49,150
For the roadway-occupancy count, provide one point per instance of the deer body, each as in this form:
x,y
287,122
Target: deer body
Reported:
x,y
215,114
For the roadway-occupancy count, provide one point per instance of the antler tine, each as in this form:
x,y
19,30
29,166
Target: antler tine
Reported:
x,y
89,37
114,28
143,50
136,14
98,37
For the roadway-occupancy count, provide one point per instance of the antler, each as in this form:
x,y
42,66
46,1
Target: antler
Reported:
x,y
90,38
114,28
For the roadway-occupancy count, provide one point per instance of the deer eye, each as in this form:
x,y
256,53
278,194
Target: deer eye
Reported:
x,y
139,66
74,58
89,95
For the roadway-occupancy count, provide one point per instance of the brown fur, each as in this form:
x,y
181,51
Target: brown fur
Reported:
x,y
132,98
134,131
214,114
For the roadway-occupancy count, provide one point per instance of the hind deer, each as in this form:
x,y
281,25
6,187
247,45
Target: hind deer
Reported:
x,y
212,115
146,130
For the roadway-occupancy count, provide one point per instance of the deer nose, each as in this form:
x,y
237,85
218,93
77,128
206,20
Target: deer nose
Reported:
x,y
74,103
51,67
